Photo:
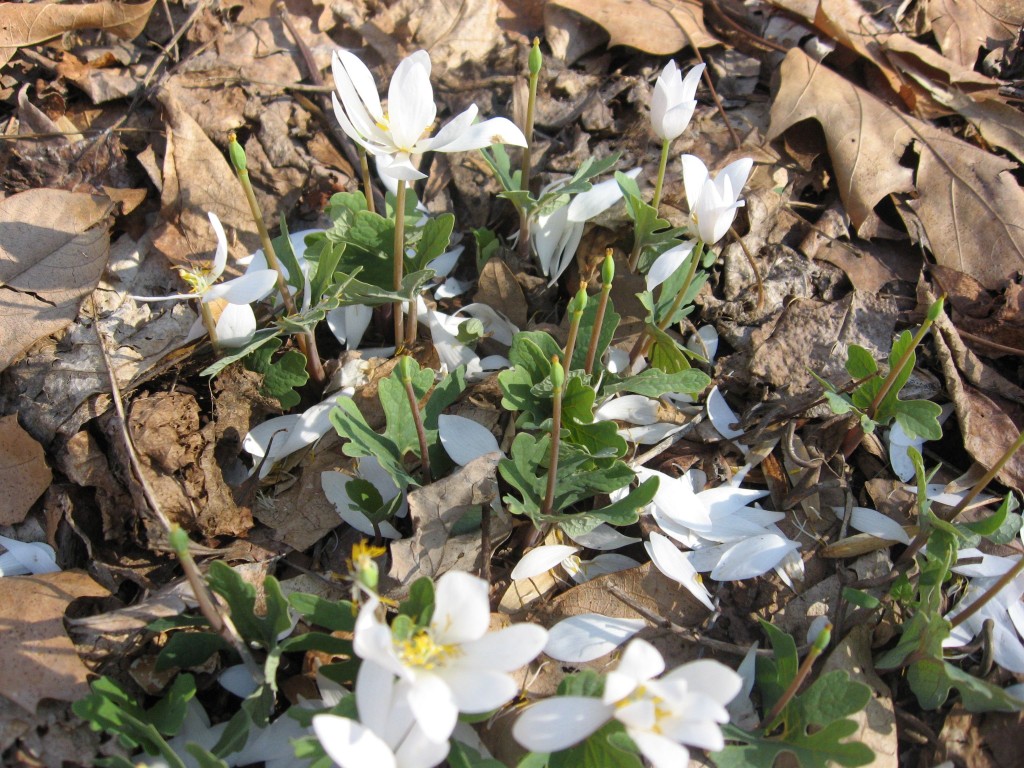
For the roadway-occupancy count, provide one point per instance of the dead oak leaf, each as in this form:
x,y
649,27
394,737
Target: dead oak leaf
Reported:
x,y
24,475
53,248
23,24
37,658
957,184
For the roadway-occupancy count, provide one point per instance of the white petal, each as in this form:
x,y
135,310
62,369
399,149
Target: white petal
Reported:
x,y
220,257
250,287
496,324
662,752
603,565
350,744
313,424
507,649
665,265
589,636
599,198
674,564
695,173
348,324
604,537
640,662
259,438
334,486
375,686
722,416
875,523
237,680
446,262
497,130
636,409
541,559
451,130
736,173
752,557
462,609
411,107
704,342
34,558
464,439
478,690
559,722
726,499
709,677
236,325
419,751
433,705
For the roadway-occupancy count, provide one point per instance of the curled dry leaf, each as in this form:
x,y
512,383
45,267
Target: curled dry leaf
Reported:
x,y
961,29
53,248
23,24
957,184
24,475
630,23
37,658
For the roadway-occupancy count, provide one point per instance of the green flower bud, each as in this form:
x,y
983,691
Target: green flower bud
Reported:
x,y
579,301
557,374
822,640
936,309
536,58
406,368
236,153
178,540
608,268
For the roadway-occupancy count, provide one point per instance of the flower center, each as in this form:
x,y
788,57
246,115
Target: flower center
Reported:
x,y
198,279
421,651
661,709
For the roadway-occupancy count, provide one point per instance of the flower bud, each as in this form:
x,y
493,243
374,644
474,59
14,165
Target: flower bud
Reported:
x,y
536,58
236,153
406,368
557,374
608,269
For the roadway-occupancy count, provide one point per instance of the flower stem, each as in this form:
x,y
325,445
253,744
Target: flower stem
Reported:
x,y
399,261
643,343
660,182
411,322
211,327
306,341
405,372
576,307
364,170
990,593
607,276
558,382
820,644
535,61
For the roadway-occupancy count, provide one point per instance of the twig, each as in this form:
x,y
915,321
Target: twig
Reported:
x,y
218,619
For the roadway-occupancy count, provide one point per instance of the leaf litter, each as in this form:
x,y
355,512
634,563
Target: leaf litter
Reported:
x,y
864,179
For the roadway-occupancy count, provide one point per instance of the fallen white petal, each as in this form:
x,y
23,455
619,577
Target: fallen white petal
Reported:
x,y
636,409
26,558
464,439
752,557
677,566
875,523
604,537
722,416
542,559
589,636
603,565
704,342
237,680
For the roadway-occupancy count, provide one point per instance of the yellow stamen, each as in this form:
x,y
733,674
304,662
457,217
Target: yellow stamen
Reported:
x,y
421,651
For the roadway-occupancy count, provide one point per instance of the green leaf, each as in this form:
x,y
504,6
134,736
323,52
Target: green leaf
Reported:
x,y
840,404
419,606
991,524
433,240
333,615
317,641
363,441
919,418
203,758
281,376
262,337
821,749
860,598
653,382
597,752
859,362
189,649
463,756
401,428
666,353
833,696
586,333
282,245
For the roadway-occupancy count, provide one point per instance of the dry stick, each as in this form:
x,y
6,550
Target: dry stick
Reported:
x,y
686,634
711,86
220,622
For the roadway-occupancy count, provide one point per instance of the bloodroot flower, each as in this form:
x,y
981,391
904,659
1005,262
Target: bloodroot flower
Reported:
x,y
394,135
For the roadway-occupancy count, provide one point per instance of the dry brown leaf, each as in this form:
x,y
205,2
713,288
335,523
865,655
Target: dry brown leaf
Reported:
x,y
630,22
897,56
53,247
24,475
23,24
454,33
958,185
37,658
499,289
435,511
961,28
197,179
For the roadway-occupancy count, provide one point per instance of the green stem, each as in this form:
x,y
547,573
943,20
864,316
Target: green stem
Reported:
x,y
421,433
643,343
576,307
901,363
820,644
558,379
523,244
608,271
364,170
660,182
399,261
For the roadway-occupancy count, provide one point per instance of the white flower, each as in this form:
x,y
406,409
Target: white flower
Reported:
x,y
237,323
386,735
22,558
1005,609
556,235
283,435
661,714
453,665
714,202
335,485
674,100
393,136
